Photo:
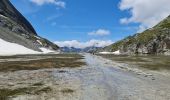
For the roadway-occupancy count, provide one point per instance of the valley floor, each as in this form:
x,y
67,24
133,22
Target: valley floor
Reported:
x,y
98,79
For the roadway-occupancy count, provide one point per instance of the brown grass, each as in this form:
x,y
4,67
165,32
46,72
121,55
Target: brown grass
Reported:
x,y
152,62
55,61
66,91
6,93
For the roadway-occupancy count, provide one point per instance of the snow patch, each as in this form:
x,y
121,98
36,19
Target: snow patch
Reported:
x,y
116,52
37,37
46,50
7,48
39,42
3,16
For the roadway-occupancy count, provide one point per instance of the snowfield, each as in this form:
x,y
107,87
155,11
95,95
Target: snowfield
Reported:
x,y
7,48
116,52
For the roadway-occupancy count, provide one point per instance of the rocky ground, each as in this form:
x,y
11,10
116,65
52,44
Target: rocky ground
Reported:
x,y
98,79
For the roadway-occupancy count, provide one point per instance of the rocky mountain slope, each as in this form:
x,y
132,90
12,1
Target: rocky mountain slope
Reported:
x,y
15,28
155,40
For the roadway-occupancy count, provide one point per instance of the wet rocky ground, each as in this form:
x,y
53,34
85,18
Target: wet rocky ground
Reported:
x,y
80,77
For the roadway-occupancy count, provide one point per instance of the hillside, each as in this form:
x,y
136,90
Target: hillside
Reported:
x,y
155,40
14,28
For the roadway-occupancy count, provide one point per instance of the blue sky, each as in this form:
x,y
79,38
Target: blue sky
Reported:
x,y
85,20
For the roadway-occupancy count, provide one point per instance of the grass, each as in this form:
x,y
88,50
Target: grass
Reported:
x,y
6,93
38,84
55,61
43,90
151,62
42,56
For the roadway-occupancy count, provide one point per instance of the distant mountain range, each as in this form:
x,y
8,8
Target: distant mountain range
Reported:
x,y
155,40
14,28
70,49
77,50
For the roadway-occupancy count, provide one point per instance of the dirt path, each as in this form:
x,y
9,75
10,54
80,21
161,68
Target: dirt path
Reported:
x,y
100,80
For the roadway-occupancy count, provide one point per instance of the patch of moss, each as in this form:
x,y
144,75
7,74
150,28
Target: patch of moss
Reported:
x,y
6,93
55,61
147,35
38,84
43,90
164,24
65,91
116,45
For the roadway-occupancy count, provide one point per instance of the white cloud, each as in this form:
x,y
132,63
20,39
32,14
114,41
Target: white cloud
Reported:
x,y
100,32
77,44
55,2
146,12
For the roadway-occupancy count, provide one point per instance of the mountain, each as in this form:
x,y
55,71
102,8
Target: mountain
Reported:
x,y
73,49
14,28
70,49
155,40
91,49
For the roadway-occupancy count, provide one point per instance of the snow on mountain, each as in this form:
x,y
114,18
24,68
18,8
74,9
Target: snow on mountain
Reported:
x,y
46,50
115,53
7,48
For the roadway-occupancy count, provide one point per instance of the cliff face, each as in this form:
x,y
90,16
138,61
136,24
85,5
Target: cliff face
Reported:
x,y
16,29
8,10
152,41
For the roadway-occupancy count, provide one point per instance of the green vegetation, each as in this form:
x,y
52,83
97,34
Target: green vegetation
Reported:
x,y
166,25
146,36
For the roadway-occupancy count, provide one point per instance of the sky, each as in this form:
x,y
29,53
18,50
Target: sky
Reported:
x,y
83,23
